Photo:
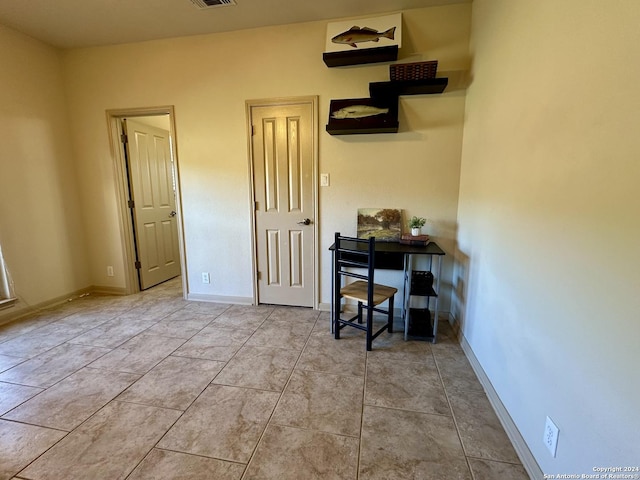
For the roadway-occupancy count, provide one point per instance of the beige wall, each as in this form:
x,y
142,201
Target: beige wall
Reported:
x,y
208,79
40,224
550,265
547,273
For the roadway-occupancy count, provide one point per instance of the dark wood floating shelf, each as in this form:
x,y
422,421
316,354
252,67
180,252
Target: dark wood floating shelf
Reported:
x,y
395,88
360,56
355,130
382,123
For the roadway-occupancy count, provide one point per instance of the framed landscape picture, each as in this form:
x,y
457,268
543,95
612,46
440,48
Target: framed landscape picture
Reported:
x,y
383,223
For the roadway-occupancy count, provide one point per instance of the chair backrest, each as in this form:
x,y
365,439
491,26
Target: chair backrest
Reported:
x,y
354,253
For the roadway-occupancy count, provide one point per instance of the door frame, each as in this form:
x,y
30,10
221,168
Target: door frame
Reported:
x,y
127,237
311,100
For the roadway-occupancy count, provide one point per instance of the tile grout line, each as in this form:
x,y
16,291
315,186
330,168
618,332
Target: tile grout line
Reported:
x,y
99,409
364,396
44,452
210,384
155,445
453,417
293,369
450,394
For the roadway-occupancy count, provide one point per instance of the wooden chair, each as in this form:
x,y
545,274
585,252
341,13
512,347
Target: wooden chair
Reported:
x,y
354,253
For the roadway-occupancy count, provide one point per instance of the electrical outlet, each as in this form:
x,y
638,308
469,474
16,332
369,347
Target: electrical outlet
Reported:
x,y
109,271
551,436
205,277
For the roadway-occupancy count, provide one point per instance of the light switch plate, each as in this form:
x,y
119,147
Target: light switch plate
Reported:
x,y
324,179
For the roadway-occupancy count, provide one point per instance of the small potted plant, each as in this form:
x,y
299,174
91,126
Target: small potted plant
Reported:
x,y
416,223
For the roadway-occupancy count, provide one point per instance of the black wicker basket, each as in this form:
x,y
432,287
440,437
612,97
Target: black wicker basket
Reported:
x,y
413,71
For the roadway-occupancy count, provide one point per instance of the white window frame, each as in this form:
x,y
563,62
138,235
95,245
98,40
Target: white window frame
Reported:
x,y
7,298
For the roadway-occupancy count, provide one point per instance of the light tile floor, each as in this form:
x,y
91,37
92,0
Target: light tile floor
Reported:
x,y
150,386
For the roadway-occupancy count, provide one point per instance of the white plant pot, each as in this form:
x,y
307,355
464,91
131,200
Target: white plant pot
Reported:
x,y
415,231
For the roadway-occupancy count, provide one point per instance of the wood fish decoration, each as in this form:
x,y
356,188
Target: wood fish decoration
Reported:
x,y
356,35
359,111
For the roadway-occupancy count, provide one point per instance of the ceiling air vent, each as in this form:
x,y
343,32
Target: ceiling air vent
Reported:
x,y
212,3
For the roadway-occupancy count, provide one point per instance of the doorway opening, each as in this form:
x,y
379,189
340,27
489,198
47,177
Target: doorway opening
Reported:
x,y
149,201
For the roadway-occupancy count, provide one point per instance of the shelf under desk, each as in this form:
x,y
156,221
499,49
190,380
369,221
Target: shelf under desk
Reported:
x,y
399,256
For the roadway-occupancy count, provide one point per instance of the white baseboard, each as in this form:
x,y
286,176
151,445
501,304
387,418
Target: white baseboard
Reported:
x,y
522,449
324,307
203,297
19,309
108,290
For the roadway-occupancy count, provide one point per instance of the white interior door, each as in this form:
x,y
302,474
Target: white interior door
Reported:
x,y
283,166
154,202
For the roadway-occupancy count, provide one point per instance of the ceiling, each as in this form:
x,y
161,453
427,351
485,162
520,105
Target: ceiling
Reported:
x,y
85,23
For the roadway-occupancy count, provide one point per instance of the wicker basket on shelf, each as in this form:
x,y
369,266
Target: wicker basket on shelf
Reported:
x,y
413,71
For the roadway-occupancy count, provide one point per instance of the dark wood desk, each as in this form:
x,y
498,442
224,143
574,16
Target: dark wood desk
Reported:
x,y
398,256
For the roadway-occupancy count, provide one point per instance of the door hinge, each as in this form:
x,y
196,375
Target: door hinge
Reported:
x,y
253,130
131,204
255,206
124,138
138,265
259,275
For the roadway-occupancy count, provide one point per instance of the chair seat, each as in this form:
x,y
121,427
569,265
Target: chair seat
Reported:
x,y
358,291
352,254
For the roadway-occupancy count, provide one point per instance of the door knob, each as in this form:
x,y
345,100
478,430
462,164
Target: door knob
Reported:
x,y
306,221
173,213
